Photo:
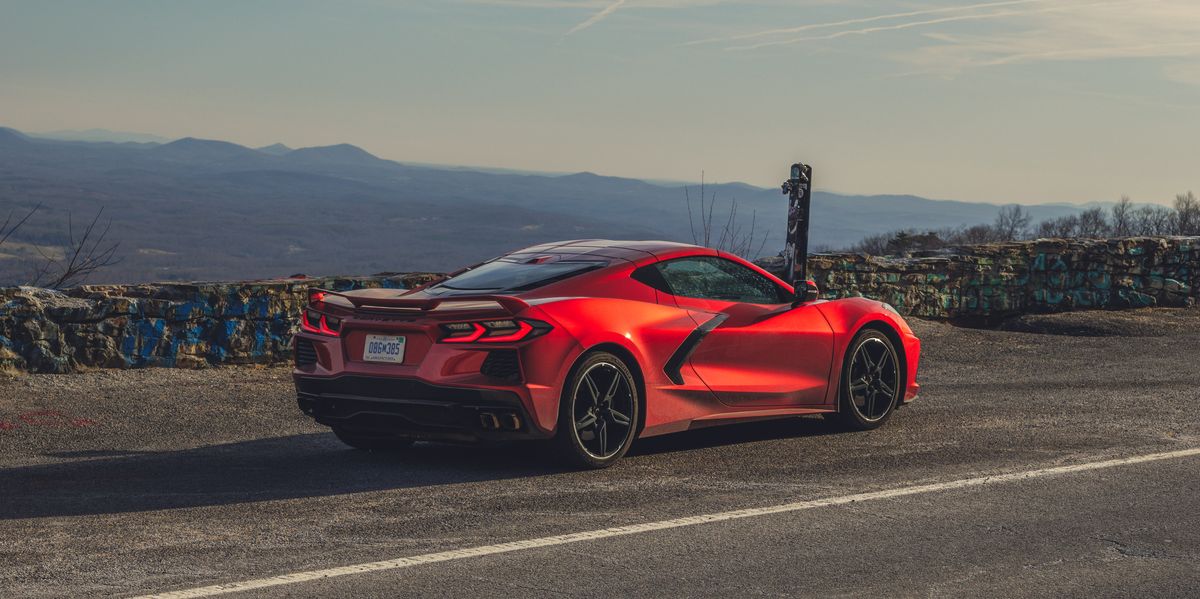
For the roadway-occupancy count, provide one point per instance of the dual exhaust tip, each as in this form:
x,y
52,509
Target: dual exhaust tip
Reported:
x,y
500,421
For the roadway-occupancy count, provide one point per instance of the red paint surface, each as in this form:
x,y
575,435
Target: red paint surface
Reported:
x,y
769,359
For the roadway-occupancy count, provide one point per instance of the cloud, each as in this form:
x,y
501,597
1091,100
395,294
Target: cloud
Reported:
x,y
1010,32
597,17
1159,29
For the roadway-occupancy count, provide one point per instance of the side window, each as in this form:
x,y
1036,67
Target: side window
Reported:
x,y
707,277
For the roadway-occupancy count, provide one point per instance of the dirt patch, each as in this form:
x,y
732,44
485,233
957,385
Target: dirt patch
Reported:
x,y
1147,322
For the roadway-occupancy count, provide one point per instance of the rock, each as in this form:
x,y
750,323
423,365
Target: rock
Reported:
x,y
995,280
186,325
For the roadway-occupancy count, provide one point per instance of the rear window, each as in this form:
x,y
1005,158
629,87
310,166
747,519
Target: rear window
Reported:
x,y
509,275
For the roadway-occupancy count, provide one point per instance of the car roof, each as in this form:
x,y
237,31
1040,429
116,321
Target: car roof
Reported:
x,y
635,251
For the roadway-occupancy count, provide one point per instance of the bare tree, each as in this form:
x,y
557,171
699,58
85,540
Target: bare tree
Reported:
x,y
9,227
83,256
704,235
1122,217
1093,223
977,234
1152,220
1063,226
874,245
735,240
1187,214
733,237
1012,222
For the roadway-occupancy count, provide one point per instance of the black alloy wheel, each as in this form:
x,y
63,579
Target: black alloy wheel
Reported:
x,y
871,381
599,412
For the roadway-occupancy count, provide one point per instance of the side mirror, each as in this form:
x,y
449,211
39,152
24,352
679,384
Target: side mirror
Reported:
x,y
809,293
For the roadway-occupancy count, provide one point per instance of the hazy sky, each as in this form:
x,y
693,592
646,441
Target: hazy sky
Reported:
x,y
1020,100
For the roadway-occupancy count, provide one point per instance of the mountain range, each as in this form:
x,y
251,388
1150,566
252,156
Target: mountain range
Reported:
x,y
195,209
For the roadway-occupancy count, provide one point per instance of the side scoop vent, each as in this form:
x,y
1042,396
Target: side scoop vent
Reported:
x,y
306,352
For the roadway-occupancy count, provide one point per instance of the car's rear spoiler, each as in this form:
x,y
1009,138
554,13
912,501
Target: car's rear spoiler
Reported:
x,y
473,303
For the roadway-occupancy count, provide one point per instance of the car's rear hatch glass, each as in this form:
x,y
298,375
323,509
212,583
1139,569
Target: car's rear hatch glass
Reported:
x,y
511,275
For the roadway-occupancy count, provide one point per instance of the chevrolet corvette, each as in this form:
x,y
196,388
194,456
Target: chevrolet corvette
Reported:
x,y
592,345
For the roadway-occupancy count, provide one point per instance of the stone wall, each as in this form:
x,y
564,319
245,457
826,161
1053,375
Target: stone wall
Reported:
x,y
987,282
202,324
183,325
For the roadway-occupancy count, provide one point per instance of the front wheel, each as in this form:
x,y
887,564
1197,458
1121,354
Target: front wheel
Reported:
x,y
870,383
598,412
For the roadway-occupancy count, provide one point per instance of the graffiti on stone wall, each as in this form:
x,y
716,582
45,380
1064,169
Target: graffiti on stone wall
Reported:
x,y
176,325
205,324
1003,279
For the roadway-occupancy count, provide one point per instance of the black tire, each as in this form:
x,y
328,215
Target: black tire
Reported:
x,y
871,382
598,412
372,442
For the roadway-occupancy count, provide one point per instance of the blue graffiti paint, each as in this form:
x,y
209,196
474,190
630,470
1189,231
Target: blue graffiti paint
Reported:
x,y
150,333
259,307
234,305
1099,279
258,339
129,343
189,310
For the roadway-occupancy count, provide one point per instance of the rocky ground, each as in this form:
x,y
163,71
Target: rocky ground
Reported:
x,y
126,482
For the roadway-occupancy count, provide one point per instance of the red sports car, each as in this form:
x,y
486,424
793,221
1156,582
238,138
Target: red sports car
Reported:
x,y
594,344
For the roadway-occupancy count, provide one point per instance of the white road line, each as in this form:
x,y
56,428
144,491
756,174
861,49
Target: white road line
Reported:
x,y
591,535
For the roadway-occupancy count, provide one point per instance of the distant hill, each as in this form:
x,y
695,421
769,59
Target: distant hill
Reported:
x,y
12,136
192,151
101,135
208,209
275,149
340,154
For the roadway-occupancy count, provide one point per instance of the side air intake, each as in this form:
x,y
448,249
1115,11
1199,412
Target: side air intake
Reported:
x,y
306,352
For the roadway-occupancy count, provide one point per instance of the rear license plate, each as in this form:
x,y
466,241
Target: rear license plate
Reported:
x,y
384,348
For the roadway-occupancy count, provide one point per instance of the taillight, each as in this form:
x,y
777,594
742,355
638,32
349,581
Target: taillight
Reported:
x,y
463,332
505,330
313,320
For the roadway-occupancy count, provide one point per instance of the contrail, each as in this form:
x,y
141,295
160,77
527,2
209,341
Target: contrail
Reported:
x,y
596,18
859,21
911,24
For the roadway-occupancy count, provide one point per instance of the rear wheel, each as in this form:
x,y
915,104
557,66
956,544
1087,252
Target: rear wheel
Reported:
x,y
598,413
372,442
870,382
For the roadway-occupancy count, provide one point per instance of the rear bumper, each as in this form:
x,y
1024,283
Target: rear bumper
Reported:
x,y
413,409
532,372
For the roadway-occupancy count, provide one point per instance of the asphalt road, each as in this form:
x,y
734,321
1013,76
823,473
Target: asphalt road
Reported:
x,y
127,483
